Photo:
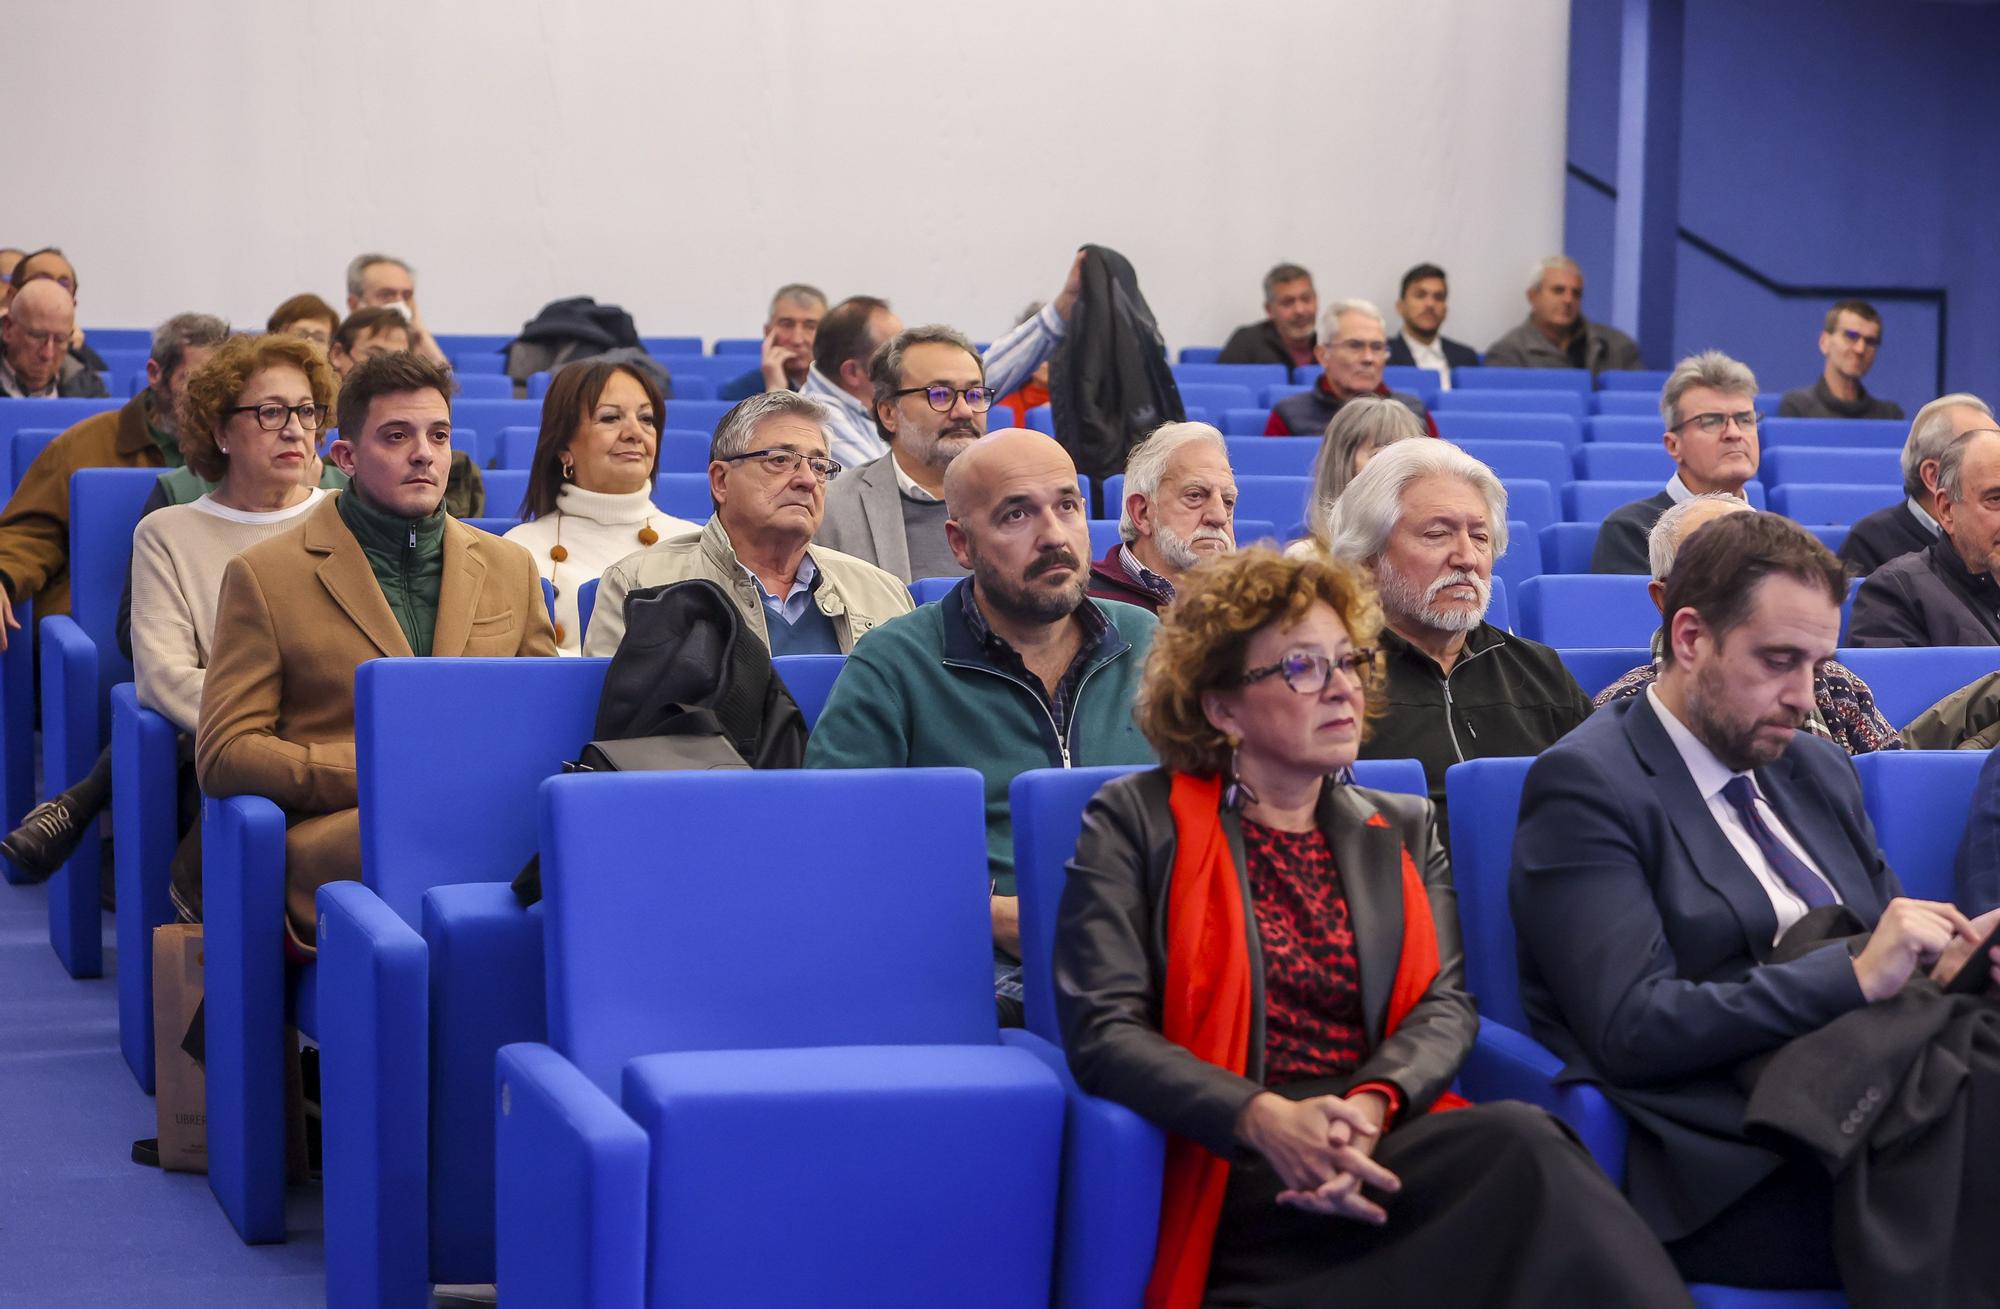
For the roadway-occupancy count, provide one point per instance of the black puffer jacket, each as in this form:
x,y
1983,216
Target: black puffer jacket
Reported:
x,y
1109,384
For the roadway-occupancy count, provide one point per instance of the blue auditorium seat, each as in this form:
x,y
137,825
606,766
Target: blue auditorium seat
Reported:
x,y
81,662
711,1021
1252,531
478,363
1252,377
430,964
661,346
1591,610
1270,395
1596,667
1907,681
1651,381
505,489
680,450
1459,425
484,386
1808,502
1218,395
476,343
1488,378
120,338
1802,463
810,679
1830,535
689,384
1834,433
1245,422
493,416
1628,404
1847,606
1039,418
740,346
1424,383
1567,547
1262,456
25,447
1198,354
1918,801
695,415
1546,461
17,729
1466,399
930,590
1530,501
1590,502
1626,429
1602,461
710,371
586,608
1523,559
59,413
1103,535
145,827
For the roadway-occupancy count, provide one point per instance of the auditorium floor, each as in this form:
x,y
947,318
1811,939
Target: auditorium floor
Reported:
x,y
80,1224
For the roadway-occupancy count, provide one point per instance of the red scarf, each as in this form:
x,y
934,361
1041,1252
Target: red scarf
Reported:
x,y
1206,1009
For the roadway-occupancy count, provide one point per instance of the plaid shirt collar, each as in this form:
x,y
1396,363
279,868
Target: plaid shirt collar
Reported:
x,y
1149,581
1008,659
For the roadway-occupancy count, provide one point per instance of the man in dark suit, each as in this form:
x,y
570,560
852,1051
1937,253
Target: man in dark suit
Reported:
x,y
1664,849
1949,592
1421,305
1709,405
1286,336
1899,529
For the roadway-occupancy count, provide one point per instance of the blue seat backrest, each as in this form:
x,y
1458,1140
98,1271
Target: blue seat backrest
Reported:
x,y
1464,425
684,495
22,450
1623,461
1532,501
930,590
103,511
1523,379
1484,799
704,373
586,605
1918,800
1047,805
692,911
1908,681
658,346
1252,377
483,343
1807,502
1424,383
1596,667
696,415
448,756
1503,401
1629,404
478,363
1590,501
1216,395
1567,547
58,412
1843,433
1546,461
1265,456
1250,531
491,417
738,346
1563,609
810,679
505,488
1523,559
1625,429
485,386
1198,354
1805,463
1246,422
1847,606
1103,535
1651,381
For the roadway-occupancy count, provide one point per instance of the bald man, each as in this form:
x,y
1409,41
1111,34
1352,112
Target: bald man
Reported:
x,y
1843,707
34,345
1015,668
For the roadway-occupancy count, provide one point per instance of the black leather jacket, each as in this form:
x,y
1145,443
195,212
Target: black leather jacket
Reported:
x,y
1111,957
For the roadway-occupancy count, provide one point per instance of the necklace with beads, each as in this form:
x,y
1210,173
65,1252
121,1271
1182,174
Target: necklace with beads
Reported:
x,y
557,552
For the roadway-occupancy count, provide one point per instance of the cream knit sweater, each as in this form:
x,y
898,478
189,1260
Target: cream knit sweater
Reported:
x,y
597,530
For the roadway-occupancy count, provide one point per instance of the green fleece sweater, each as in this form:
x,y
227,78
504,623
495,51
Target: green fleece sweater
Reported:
x,y
408,558
918,693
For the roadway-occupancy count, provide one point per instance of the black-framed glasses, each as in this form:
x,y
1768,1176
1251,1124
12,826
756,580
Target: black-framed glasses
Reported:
x,y
1308,673
1746,420
977,398
785,462
273,416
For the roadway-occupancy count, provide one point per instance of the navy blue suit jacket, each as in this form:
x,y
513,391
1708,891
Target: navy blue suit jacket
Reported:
x,y
1643,935
1976,875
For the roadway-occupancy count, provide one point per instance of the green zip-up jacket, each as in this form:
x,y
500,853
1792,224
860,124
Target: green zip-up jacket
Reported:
x,y
408,558
917,692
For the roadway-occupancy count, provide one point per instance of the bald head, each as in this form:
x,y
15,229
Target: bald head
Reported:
x,y
36,332
1018,522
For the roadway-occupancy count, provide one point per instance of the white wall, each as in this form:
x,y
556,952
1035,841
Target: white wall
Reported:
x,y
682,159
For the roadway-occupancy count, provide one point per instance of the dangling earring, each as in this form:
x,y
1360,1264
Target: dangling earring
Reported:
x,y
568,471
1238,792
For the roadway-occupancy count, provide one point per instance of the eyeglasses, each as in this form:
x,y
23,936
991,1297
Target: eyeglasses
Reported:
x,y
1745,420
785,462
43,340
1859,338
273,417
1354,347
1308,674
977,398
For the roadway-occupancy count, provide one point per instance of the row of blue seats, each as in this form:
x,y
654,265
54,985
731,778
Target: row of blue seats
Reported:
x,y
1223,392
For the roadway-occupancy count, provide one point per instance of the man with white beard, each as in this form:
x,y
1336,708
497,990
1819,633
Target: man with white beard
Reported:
x,y
1180,508
1430,520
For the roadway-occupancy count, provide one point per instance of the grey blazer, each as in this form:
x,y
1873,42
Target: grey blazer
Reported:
x,y
864,518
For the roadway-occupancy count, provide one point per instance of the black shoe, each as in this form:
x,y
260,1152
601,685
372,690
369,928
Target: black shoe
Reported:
x,y
45,838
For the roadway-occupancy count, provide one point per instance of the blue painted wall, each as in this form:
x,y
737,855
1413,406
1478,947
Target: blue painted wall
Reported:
x,y
1823,142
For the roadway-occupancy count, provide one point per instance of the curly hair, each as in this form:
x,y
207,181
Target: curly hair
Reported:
x,y
1203,636
217,386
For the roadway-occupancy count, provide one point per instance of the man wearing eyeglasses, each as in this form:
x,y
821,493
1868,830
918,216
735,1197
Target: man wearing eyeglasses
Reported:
x,y
1850,339
931,401
1710,407
1353,347
34,345
52,264
767,476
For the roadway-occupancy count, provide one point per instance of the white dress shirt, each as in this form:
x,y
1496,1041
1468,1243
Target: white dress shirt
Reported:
x,y
1429,356
1710,776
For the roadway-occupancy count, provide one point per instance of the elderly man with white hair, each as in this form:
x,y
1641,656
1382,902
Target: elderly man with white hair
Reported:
x,y
35,361
1429,520
1844,708
1709,406
1556,334
1180,508
1906,527
1353,348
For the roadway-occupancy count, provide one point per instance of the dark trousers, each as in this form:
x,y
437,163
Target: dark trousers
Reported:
x,y
1778,1236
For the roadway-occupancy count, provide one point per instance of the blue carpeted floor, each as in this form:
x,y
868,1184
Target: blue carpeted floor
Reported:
x,y
80,1224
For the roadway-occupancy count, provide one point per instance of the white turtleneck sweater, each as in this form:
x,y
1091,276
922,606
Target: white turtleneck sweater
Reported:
x,y
596,530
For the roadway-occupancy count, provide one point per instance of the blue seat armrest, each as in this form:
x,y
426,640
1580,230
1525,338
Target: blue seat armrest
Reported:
x,y
374,1075
71,739
1109,1221
1506,1065
145,819
243,909
570,1186
17,729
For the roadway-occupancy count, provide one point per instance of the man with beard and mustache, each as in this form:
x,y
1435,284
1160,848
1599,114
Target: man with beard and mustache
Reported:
x,y
1430,520
1708,932
1015,668
931,401
1421,303
1180,508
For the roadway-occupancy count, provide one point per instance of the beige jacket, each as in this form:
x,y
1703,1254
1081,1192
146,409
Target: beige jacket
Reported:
x,y
855,594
